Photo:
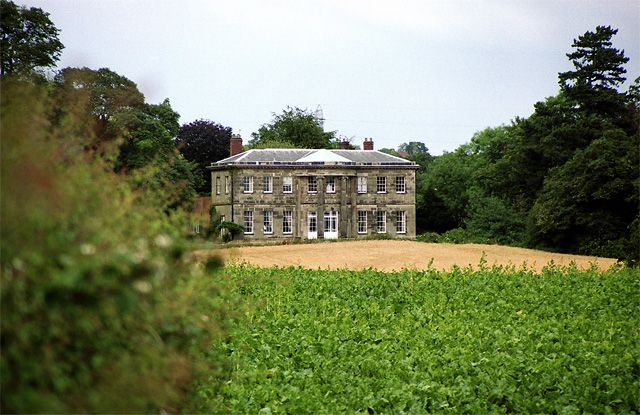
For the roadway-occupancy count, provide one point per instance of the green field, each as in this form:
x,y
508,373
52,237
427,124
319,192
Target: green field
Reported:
x,y
491,341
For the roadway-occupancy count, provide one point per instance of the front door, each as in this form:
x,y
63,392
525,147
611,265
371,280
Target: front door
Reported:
x,y
331,225
312,225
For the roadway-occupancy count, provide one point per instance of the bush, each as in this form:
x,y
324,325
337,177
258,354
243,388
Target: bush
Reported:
x,y
100,310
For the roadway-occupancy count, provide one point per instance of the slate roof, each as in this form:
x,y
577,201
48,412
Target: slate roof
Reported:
x,y
302,157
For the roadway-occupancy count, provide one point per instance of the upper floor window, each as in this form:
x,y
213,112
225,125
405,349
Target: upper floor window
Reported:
x,y
247,184
331,184
227,185
400,187
312,184
267,224
401,222
362,184
287,184
381,184
267,184
287,222
381,221
247,221
217,185
362,221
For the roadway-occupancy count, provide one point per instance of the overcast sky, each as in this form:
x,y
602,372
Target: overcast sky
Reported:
x,y
397,71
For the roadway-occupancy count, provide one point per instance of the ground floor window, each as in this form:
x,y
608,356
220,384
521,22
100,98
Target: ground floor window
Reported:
x,y
267,224
381,221
401,222
287,222
313,222
362,221
248,221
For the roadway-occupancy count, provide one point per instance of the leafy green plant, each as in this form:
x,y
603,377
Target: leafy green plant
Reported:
x,y
489,341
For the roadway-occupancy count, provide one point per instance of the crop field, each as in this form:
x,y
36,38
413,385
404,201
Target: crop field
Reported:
x,y
394,255
463,341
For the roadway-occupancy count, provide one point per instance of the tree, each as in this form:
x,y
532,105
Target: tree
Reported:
x,y
296,126
598,73
28,39
588,204
203,142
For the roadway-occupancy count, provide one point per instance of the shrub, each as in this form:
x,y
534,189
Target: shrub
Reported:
x,y
100,311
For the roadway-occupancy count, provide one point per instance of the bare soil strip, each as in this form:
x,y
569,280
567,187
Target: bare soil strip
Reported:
x,y
385,255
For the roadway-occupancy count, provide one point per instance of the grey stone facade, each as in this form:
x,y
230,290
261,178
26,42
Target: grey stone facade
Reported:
x,y
342,207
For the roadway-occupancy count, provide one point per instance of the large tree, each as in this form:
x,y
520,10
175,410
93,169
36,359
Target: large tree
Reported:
x,y
203,142
295,126
599,71
28,39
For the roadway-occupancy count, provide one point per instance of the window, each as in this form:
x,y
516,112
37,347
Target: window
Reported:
x,y
362,184
313,222
381,184
362,221
401,222
400,187
267,184
267,224
227,185
381,221
247,184
331,184
313,184
287,184
217,185
287,222
248,221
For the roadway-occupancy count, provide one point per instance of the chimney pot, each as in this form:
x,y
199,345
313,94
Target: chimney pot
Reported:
x,y
235,145
344,145
368,144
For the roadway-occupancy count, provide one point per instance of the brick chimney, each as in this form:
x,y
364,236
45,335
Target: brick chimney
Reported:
x,y
344,145
235,145
368,144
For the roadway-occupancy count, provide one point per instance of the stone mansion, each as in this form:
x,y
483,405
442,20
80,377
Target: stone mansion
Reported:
x,y
309,194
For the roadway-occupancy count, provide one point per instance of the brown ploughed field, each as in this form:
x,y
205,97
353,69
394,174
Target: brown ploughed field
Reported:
x,y
392,255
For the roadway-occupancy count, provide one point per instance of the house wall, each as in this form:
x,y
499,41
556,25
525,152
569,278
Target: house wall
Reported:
x,y
346,200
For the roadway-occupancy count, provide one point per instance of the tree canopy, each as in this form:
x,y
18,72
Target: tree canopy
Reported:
x,y
296,126
203,142
28,39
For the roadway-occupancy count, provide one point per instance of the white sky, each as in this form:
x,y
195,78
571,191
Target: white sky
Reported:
x,y
397,71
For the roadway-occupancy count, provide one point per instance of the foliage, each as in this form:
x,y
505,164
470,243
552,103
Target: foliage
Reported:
x,y
489,341
599,71
296,126
203,142
592,199
127,131
28,40
229,229
100,310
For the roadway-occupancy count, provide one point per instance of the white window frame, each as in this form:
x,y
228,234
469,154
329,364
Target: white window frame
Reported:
x,y
400,185
312,180
330,184
267,222
247,184
247,221
287,184
381,184
267,184
362,184
362,214
381,214
217,185
401,221
227,185
287,219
